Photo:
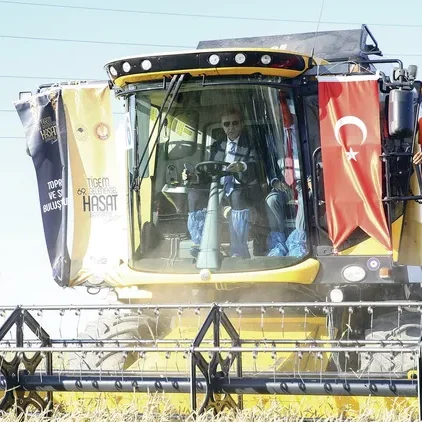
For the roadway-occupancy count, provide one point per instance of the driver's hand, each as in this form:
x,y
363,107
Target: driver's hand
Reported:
x,y
236,167
417,158
280,186
185,175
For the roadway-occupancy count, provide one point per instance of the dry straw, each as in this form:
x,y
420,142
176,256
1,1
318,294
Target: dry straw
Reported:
x,y
158,409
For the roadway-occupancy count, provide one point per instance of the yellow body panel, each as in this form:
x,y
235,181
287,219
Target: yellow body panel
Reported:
x,y
372,247
411,243
303,273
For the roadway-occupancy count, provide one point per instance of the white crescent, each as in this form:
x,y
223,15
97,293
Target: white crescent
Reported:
x,y
350,120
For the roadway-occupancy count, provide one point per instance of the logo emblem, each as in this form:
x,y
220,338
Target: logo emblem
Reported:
x,y
373,264
102,131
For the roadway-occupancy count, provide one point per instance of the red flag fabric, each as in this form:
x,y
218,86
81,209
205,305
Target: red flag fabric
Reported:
x,y
351,145
420,131
288,129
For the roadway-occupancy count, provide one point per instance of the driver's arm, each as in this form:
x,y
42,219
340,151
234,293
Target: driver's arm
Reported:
x,y
251,174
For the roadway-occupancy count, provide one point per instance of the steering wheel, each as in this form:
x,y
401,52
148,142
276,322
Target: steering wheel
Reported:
x,y
212,168
217,169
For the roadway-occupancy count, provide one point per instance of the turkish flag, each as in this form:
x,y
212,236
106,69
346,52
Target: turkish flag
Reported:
x,y
349,108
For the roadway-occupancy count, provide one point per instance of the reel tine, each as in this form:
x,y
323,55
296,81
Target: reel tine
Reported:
x,y
179,319
263,311
255,357
42,355
101,355
349,322
281,310
157,316
186,358
62,312
399,313
78,314
118,315
306,310
321,364
371,312
100,313
177,356
274,357
81,360
40,314
167,356
299,360
61,358
125,356
198,313
143,357
415,363
239,320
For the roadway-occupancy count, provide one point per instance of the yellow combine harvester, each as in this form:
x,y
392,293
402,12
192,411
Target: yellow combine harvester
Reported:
x,y
257,221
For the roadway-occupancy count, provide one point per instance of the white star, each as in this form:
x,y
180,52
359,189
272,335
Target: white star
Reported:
x,y
351,155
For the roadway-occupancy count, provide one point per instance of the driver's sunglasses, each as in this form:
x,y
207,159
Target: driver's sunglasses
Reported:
x,y
233,123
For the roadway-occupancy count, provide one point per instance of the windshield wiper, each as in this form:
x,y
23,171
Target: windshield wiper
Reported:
x,y
172,92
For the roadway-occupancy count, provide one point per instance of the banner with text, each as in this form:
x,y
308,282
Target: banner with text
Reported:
x,y
71,139
46,144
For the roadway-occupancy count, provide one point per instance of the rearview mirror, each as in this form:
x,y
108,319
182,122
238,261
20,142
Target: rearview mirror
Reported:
x,y
400,113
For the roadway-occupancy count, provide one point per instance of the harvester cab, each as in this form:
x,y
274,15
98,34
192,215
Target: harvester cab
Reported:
x,y
240,168
256,170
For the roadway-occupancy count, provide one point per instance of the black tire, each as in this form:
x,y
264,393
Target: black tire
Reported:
x,y
119,328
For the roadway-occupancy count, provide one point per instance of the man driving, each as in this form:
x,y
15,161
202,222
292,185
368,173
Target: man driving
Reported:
x,y
235,148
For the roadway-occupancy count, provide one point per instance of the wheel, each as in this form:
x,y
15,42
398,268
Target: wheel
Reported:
x,y
119,328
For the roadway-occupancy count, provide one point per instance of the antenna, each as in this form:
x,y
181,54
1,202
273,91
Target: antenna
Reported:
x,y
317,29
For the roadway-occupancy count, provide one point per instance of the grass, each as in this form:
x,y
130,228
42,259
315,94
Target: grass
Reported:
x,y
158,409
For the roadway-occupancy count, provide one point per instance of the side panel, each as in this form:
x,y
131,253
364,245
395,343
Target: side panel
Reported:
x,y
411,240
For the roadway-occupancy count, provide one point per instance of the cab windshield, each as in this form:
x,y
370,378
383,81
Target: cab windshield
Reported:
x,y
221,187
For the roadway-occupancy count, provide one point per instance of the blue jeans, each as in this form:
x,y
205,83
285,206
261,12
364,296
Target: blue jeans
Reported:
x,y
275,205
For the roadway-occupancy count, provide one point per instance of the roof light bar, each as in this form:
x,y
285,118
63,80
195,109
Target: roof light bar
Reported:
x,y
197,62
